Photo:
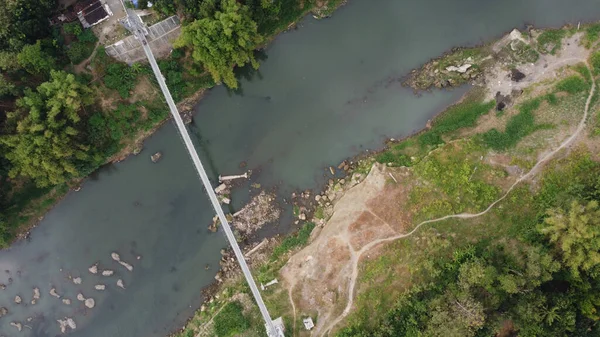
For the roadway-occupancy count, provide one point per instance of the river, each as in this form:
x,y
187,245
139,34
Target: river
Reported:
x,y
327,91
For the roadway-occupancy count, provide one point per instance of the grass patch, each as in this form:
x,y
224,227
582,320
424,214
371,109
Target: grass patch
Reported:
x,y
231,320
592,32
518,126
550,41
293,241
572,85
595,62
461,116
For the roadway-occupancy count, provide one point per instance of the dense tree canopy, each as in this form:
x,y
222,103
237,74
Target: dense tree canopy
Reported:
x,y
34,60
577,234
23,22
223,41
46,145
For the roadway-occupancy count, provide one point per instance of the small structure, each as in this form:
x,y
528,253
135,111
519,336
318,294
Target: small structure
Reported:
x,y
308,323
92,12
279,328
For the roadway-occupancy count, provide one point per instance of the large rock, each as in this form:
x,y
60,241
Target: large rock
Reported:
x,y
156,157
54,293
100,287
17,325
77,280
3,311
107,272
90,303
120,284
461,69
18,299
93,269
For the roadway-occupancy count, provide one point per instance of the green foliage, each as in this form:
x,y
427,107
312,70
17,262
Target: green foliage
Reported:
x,y
293,241
230,321
24,22
223,41
456,117
550,41
478,288
576,232
595,62
107,130
81,49
272,16
592,32
517,127
388,156
34,60
120,77
73,28
7,88
46,145
572,84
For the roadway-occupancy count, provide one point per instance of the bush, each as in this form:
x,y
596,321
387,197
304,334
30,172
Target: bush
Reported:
x,y
79,51
396,159
460,116
293,241
573,84
120,77
230,321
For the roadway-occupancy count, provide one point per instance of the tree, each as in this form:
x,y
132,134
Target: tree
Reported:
x,y
576,232
33,59
7,87
223,41
46,145
23,22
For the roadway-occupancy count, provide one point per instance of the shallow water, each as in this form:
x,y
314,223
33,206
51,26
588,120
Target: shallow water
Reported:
x,y
327,91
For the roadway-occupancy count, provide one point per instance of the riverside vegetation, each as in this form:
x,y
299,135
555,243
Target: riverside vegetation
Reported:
x,y
530,266
67,108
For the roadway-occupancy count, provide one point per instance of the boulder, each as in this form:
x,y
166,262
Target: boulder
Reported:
x,y
107,272
220,188
54,293
100,287
120,284
461,69
115,256
90,303
156,157
93,269
80,297
3,311
66,301
18,299
17,325
77,280
516,75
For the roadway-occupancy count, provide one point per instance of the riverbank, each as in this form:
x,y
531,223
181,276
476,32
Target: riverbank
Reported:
x,y
474,156
29,204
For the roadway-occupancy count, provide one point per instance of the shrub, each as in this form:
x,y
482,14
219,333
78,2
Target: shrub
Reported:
x,y
120,77
230,321
572,85
293,241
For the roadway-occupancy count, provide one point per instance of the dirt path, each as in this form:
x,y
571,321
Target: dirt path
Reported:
x,y
356,255
80,68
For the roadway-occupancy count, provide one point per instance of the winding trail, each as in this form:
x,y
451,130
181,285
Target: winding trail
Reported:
x,y
356,255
